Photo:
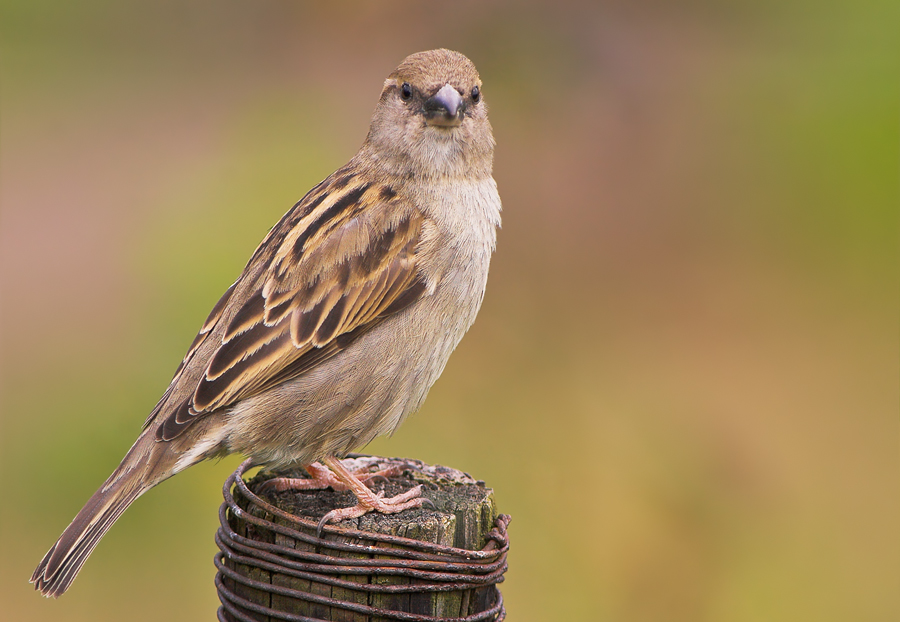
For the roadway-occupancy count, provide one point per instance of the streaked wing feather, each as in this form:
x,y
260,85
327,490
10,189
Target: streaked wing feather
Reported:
x,y
341,261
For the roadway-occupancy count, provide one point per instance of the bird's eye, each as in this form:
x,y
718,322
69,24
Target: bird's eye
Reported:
x,y
476,94
405,91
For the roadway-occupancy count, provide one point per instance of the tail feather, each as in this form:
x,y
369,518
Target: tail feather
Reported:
x,y
145,465
62,562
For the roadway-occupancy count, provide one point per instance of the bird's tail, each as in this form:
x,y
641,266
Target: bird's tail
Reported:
x,y
143,467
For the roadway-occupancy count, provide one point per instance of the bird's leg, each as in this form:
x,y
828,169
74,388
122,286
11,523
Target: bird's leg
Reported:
x,y
322,477
366,499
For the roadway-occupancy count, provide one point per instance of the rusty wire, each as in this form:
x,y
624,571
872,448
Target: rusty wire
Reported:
x,y
431,567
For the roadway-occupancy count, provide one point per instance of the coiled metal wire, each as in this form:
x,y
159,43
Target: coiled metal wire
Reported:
x,y
424,568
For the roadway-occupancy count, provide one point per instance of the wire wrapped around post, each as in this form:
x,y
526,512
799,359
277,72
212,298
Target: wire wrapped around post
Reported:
x,y
272,566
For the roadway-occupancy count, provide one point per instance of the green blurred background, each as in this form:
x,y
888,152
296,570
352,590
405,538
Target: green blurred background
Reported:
x,y
683,384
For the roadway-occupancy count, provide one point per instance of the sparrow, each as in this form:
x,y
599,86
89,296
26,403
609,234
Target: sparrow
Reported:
x,y
342,319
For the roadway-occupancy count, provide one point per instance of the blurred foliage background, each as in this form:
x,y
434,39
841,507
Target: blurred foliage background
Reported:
x,y
683,384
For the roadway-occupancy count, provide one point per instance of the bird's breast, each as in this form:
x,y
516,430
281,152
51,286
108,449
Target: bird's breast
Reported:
x,y
463,220
463,217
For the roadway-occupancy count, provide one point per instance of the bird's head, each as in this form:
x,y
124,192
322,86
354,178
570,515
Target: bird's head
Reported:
x,y
432,118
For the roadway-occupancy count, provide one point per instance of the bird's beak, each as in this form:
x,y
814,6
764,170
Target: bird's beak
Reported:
x,y
445,108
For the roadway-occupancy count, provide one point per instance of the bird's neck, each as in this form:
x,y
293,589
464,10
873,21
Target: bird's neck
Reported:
x,y
434,161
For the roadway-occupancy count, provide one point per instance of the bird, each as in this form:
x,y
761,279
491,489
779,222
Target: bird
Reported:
x,y
343,318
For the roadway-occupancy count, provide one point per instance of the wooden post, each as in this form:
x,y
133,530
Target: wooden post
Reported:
x,y
422,564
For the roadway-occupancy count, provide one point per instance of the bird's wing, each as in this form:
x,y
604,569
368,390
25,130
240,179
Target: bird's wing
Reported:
x,y
337,264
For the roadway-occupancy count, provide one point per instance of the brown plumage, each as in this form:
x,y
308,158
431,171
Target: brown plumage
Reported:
x,y
345,314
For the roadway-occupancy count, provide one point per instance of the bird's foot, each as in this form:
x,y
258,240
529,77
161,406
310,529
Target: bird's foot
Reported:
x,y
368,501
375,502
322,477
